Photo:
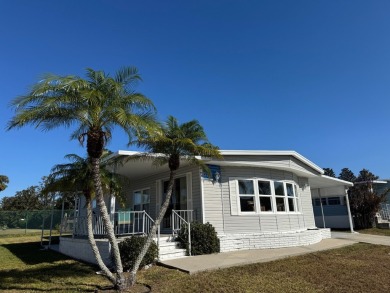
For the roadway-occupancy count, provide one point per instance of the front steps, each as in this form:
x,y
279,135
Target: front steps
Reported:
x,y
168,248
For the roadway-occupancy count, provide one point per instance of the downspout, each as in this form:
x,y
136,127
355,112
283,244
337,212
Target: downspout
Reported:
x,y
322,209
349,211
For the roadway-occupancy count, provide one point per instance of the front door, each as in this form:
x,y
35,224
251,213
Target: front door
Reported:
x,y
178,199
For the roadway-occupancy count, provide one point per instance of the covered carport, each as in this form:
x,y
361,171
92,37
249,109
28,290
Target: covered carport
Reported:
x,y
330,202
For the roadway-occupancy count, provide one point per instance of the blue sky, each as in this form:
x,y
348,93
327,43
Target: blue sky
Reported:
x,y
310,76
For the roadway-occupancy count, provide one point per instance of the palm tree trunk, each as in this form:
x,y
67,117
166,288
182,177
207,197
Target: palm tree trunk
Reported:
x,y
92,242
152,234
107,223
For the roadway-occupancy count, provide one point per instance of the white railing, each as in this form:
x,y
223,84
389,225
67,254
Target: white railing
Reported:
x,y
182,218
124,223
385,212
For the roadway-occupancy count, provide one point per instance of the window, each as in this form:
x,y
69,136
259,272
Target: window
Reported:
x,y
265,194
141,200
261,196
279,196
318,203
247,195
331,201
334,201
292,204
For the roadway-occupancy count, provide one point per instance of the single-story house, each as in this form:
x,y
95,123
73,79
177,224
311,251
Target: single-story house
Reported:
x,y
254,199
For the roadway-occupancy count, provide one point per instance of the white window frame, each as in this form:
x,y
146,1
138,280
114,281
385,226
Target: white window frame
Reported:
x,y
141,190
246,195
273,203
273,196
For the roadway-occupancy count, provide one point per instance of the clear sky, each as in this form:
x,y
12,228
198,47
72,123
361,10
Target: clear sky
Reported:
x,y
309,76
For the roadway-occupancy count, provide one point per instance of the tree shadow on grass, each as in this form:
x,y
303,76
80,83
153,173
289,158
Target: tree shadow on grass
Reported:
x,y
48,271
52,277
31,253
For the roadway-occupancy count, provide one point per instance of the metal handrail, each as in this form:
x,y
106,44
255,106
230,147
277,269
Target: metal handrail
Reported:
x,y
124,223
178,220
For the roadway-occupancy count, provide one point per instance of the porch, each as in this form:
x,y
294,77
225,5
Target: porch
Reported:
x,y
125,224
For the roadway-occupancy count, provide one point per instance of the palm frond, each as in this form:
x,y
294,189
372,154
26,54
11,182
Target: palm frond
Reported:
x,y
173,140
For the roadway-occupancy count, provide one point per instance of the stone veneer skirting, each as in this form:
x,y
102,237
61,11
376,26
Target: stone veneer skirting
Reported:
x,y
232,242
81,250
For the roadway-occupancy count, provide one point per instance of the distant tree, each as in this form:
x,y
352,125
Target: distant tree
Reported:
x,y
347,175
329,172
3,182
364,201
27,199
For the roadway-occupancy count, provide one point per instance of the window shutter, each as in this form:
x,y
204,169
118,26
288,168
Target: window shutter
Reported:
x,y
233,196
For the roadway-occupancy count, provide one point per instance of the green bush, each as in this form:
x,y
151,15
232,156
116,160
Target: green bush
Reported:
x,y
130,249
204,239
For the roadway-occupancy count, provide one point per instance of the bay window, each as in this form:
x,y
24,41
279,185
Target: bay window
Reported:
x,y
267,196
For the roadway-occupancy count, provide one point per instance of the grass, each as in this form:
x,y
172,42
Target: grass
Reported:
x,y
356,268
6,232
375,231
26,268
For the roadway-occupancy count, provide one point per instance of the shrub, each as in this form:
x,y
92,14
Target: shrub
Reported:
x,y
131,247
204,239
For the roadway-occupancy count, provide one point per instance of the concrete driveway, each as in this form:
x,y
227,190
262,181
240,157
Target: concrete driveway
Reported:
x,y
195,264
201,263
359,237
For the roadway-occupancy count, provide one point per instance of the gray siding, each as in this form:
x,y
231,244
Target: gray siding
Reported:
x,y
306,203
221,204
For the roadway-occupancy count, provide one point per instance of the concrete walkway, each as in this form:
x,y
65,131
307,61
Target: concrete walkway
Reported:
x,y
366,238
195,264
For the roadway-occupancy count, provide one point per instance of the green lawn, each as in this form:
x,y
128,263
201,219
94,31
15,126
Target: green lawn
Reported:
x,y
25,268
19,231
357,268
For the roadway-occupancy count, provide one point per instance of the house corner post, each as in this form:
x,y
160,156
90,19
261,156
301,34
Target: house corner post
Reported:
x,y
349,210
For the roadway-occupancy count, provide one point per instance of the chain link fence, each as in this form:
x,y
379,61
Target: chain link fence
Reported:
x,y
34,222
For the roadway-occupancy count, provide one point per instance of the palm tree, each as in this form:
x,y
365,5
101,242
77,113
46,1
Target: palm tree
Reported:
x,y
95,106
76,177
3,182
173,142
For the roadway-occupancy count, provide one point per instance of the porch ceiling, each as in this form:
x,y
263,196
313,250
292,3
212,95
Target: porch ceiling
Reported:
x,y
324,181
134,169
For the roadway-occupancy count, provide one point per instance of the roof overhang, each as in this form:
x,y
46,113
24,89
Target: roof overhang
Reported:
x,y
324,181
267,164
372,181
134,169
